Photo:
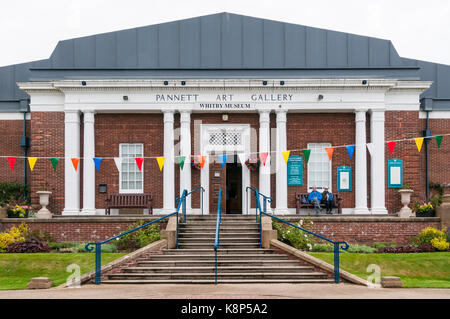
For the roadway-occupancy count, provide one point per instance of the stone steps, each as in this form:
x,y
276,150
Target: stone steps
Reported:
x,y
220,275
222,262
222,281
220,269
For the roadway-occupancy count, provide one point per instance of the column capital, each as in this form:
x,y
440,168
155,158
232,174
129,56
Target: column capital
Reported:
x,y
360,115
168,115
185,116
264,116
281,115
89,116
72,116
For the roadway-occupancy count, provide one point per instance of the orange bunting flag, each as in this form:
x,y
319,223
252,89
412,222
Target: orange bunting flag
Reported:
x,y
139,161
31,162
161,162
419,142
75,162
263,157
330,151
286,156
11,161
202,160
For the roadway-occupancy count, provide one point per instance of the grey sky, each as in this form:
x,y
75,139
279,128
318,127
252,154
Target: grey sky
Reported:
x,y
30,30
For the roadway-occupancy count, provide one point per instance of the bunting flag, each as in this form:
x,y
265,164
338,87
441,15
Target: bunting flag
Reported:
x,y
75,162
286,156
263,157
329,151
202,160
391,146
223,159
350,150
160,161
11,161
180,160
31,162
97,161
370,148
118,161
139,161
306,153
54,161
419,142
438,140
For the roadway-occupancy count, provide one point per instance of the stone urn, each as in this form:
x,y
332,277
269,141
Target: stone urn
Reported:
x,y
443,211
44,200
405,199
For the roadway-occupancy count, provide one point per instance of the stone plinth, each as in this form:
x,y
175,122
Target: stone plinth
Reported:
x,y
40,283
391,282
443,211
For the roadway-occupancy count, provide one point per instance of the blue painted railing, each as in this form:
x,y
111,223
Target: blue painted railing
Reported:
x,y
336,244
216,239
184,200
266,199
98,246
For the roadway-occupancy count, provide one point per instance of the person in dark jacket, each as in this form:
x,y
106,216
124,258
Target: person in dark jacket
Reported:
x,y
327,198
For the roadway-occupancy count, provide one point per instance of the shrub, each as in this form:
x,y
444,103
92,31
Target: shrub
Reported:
x,y
423,248
364,249
14,193
440,243
139,238
427,234
295,237
378,245
323,248
15,234
30,245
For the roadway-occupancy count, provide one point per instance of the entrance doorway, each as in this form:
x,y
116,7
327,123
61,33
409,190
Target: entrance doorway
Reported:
x,y
233,190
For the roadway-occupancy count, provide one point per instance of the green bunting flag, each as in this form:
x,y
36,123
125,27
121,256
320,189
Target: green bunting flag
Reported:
x,y
306,153
54,161
181,160
438,140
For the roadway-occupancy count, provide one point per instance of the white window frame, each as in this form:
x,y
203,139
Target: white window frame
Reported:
x,y
130,191
330,177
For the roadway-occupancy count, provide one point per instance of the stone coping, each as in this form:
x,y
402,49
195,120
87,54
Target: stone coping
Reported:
x,y
292,218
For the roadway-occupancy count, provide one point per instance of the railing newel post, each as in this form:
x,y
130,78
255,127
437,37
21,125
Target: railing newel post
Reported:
x,y
336,263
98,263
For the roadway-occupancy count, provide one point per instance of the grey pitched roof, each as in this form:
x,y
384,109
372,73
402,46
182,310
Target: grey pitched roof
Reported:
x,y
222,45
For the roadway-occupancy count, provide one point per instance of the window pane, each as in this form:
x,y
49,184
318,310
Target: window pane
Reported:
x,y
131,185
124,176
125,185
138,185
124,149
124,167
139,149
131,149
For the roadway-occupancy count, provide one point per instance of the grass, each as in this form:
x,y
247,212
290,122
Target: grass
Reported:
x,y
16,270
417,270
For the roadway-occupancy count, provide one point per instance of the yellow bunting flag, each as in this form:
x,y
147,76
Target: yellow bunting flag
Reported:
x,y
161,162
329,151
419,142
31,162
286,155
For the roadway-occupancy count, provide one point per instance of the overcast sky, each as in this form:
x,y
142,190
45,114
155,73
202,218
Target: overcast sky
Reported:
x,y
30,29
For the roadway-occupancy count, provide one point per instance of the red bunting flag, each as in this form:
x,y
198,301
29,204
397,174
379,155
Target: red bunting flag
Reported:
x,y
11,161
263,157
139,161
75,162
329,151
391,146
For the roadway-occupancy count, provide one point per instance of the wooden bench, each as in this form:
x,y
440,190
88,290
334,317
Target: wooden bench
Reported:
x,y
129,201
337,202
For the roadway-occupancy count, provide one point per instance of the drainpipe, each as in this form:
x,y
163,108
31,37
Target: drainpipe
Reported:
x,y
24,141
426,105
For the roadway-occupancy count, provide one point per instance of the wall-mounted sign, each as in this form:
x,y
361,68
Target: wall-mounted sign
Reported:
x,y
344,178
295,170
395,173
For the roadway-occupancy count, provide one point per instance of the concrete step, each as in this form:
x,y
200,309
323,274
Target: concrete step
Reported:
x,y
223,245
199,229
222,240
222,257
220,269
221,251
222,263
221,281
220,275
223,235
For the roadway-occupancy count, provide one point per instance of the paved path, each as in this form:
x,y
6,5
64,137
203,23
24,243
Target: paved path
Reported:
x,y
261,291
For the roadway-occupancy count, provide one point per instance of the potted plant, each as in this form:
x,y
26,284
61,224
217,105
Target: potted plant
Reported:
x,y
44,196
424,210
196,162
253,163
405,197
17,211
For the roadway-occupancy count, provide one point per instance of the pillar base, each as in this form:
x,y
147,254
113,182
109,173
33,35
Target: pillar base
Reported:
x,y
281,211
70,211
89,211
379,211
361,211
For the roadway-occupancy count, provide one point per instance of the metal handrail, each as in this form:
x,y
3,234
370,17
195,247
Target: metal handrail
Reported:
x,y
187,194
265,198
216,239
337,244
98,246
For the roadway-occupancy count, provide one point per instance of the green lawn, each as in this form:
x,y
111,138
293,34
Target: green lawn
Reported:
x,y
16,270
420,270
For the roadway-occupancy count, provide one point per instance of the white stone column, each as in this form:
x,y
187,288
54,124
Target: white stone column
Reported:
x,y
185,150
88,163
360,163
71,149
169,169
264,146
281,171
377,169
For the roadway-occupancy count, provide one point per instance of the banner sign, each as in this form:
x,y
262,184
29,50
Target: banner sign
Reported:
x,y
344,179
295,170
395,173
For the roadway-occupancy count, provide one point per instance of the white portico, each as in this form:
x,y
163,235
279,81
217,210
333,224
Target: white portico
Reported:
x,y
375,97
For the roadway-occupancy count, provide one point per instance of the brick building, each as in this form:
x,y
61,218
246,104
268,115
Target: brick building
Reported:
x,y
224,84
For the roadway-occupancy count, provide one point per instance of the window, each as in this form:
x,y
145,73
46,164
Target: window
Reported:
x,y
131,180
319,167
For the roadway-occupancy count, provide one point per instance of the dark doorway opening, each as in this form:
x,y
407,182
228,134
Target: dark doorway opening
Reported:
x,y
233,185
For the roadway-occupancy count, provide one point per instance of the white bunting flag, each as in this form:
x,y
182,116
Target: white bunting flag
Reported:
x,y
370,148
118,161
241,158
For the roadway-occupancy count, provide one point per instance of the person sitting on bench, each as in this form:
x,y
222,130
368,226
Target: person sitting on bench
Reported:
x,y
327,198
315,197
